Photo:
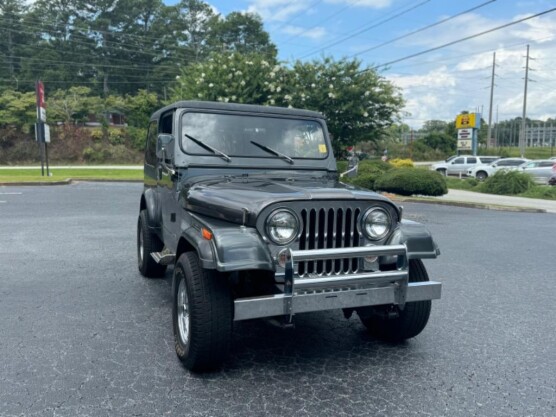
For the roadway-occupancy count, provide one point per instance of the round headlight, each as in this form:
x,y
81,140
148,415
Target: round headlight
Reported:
x,y
377,223
282,227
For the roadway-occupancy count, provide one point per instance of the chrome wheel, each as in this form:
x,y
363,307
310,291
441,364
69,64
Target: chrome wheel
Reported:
x,y
183,313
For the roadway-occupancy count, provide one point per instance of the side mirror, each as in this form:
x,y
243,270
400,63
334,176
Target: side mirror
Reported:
x,y
163,148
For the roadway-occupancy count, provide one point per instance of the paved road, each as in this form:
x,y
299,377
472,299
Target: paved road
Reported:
x,y
82,334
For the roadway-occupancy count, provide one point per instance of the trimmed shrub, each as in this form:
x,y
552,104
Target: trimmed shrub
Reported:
x,y
401,163
411,181
365,180
341,166
373,167
508,183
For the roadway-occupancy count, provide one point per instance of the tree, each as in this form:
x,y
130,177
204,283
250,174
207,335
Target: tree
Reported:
x,y
359,106
240,32
438,126
12,39
228,77
440,141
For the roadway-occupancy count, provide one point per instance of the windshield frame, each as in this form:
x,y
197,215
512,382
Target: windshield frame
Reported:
x,y
318,121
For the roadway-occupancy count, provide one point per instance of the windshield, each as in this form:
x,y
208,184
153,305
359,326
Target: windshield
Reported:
x,y
252,136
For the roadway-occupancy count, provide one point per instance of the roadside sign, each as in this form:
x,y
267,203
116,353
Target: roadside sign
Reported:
x,y
464,144
466,121
41,105
465,133
46,133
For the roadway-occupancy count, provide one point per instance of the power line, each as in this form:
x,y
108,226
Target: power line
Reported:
x,y
338,12
423,28
366,29
476,35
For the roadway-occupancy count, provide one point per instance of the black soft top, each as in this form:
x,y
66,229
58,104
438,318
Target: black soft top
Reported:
x,y
250,108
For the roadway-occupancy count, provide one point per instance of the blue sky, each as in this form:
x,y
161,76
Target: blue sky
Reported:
x,y
437,85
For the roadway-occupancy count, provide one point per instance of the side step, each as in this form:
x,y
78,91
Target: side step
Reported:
x,y
166,257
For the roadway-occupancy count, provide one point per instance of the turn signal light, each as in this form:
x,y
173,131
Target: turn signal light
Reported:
x,y
206,234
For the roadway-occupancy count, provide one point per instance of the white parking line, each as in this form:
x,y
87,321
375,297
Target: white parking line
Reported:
x,y
11,193
2,201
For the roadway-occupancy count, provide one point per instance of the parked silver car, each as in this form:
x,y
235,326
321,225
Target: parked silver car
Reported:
x,y
540,170
481,172
461,164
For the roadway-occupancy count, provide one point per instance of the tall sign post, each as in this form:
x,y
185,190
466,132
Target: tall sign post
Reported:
x,y
42,131
468,125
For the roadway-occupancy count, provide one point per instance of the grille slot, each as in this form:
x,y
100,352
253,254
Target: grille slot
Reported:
x,y
329,229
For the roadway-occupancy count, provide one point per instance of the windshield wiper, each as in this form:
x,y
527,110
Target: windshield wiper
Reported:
x,y
273,151
209,148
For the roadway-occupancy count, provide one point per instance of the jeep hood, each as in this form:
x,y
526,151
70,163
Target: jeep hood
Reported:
x,y
228,198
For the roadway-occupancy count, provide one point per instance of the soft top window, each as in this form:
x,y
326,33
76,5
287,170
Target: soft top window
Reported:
x,y
252,136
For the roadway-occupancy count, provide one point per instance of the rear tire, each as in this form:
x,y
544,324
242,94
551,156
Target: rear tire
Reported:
x,y
411,320
148,242
202,314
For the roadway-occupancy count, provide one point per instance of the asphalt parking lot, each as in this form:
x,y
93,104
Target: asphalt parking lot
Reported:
x,y
83,334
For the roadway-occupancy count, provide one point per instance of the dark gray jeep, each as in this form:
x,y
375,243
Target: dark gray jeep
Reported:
x,y
244,201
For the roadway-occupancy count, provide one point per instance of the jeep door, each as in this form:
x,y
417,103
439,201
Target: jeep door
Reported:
x,y
167,184
457,165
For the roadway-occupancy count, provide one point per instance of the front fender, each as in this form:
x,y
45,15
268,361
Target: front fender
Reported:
x,y
233,247
417,239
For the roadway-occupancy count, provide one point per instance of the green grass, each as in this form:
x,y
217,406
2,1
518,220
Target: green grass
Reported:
x,y
544,192
61,174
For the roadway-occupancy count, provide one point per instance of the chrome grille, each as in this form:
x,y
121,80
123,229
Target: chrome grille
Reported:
x,y
329,229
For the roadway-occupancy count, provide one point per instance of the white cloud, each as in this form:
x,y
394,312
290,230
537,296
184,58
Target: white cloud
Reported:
x,y
375,4
278,10
315,33
463,83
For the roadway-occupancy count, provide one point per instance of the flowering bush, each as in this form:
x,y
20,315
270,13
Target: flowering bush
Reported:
x,y
358,105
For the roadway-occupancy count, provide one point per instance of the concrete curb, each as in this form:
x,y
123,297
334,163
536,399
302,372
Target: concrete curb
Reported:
x,y
468,205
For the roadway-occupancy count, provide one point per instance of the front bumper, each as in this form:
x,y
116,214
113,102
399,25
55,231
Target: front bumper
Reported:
x,y
302,295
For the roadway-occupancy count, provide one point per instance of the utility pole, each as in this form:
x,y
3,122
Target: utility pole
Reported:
x,y
491,98
524,114
496,144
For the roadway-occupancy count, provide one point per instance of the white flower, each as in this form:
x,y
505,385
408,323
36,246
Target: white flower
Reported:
x,y
272,101
276,68
238,72
279,89
331,95
290,106
200,95
202,75
211,85
366,114
249,62
242,82
287,97
331,86
302,95
220,99
226,99
272,75
177,77
367,93
224,66
234,98
264,63
333,78
313,85
230,76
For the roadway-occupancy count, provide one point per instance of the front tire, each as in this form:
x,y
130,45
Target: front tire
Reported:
x,y
148,242
442,172
411,320
481,175
202,314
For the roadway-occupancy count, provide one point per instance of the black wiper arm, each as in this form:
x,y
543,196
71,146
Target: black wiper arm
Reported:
x,y
273,151
209,148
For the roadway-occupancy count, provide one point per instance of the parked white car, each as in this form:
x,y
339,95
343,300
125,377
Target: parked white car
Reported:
x,y
461,164
540,170
482,172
